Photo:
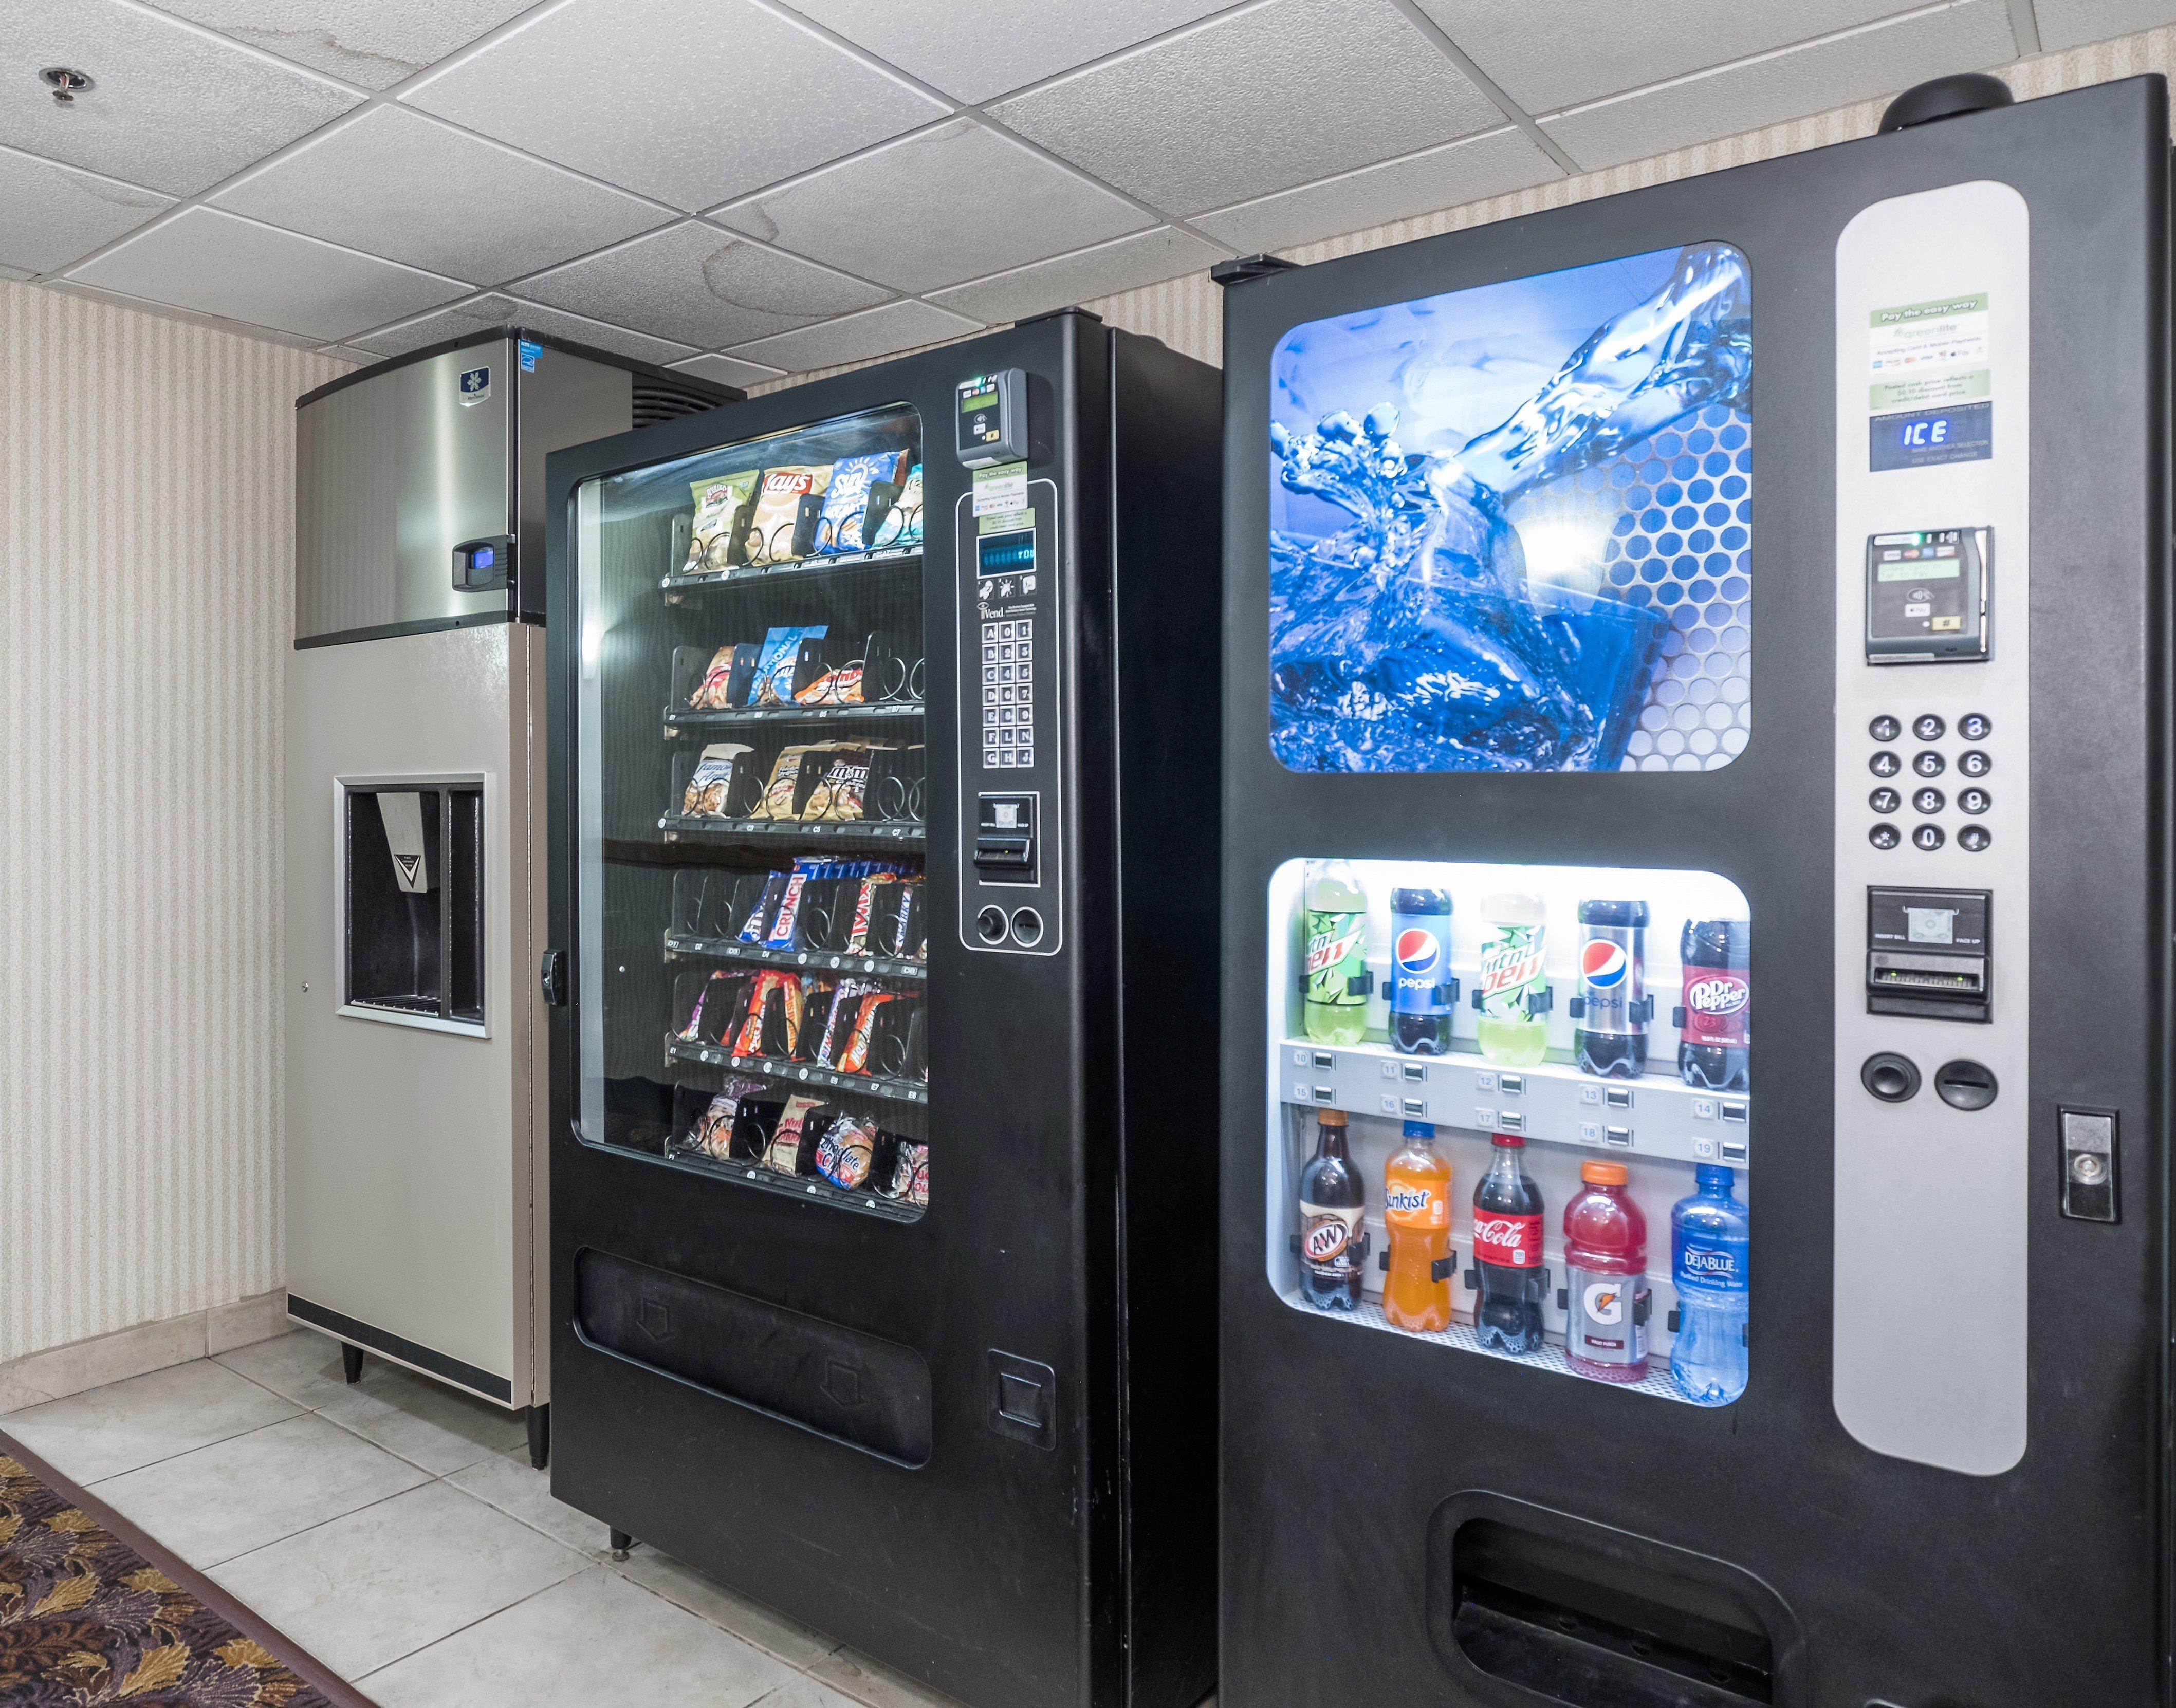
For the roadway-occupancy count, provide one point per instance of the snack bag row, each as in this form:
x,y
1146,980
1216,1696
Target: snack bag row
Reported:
x,y
796,510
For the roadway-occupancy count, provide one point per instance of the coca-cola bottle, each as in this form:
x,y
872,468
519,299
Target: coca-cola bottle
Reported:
x,y
1333,1238
1714,1021
1507,1251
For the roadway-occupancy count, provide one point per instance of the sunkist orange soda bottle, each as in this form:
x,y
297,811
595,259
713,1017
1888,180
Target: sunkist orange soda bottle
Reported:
x,y
1417,1211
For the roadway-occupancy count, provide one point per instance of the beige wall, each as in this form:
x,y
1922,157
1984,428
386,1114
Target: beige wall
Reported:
x,y
146,534
1187,313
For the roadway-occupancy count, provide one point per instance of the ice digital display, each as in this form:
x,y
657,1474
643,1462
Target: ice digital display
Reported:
x,y
1511,527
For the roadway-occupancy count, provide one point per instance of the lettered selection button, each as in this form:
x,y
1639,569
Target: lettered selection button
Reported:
x,y
1885,764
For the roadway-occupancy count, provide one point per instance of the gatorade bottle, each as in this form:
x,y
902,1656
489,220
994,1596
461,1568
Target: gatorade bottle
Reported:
x,y
1334,973
1417,1211
1507,1251
1513,993
1710,1235
1333,1233
1422,988
1606,1299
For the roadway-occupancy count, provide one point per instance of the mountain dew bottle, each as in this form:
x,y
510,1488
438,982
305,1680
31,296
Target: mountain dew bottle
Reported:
x,y
1514,992
1334,978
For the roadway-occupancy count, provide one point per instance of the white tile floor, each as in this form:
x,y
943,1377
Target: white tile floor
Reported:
x,y
395,1530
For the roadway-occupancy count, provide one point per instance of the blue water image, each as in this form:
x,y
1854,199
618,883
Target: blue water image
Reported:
x,y
1511,524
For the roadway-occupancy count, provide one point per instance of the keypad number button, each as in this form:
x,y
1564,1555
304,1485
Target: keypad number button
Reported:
x,y
1973,839
1928,800
1928,727
1883,836
1927,837
1974,764
1885,764
1929,764
1975,800
1975,727
1884,728
1885,800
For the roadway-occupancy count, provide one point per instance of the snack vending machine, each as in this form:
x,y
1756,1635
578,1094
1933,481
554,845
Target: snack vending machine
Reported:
x,y
883,748
1578,1349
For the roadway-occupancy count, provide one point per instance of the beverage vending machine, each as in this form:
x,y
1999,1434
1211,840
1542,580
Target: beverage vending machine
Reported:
x,y
884,753
1578,1348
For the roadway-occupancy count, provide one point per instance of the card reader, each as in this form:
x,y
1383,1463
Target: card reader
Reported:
x,y
1926,596
991,415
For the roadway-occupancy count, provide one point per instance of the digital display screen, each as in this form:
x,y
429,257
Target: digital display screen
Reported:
x,y
985,399
1962,433
1926,569
1005,554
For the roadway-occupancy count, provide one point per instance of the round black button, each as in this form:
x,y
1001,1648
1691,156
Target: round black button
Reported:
x,y
1929,764
1890,1077
1927,837
1928,800
1885,800
1973,725
1883,836
991,924
1884,728
1885,764
1928,727
1973,839
1974,764
1975,800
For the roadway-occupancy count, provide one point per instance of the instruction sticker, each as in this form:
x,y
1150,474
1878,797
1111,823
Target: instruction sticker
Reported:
x,y
1921,355
1001,490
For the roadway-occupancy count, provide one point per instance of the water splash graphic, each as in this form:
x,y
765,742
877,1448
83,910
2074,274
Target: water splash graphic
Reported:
x,y
1418,635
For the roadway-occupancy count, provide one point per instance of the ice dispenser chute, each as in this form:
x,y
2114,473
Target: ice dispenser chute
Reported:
x,y
412,902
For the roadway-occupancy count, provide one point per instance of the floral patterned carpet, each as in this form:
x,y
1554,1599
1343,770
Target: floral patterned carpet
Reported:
x,y
92,1612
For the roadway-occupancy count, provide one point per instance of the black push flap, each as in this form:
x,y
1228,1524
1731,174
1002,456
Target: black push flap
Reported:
x,y
1023,1399
854,1387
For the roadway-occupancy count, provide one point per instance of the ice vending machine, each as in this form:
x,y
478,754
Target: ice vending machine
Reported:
x,y
883,727
1578,1350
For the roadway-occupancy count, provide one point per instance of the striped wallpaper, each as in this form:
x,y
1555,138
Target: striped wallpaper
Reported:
x,y
146,534
145,538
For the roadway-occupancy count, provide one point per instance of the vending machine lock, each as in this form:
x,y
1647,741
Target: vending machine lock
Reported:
x,y
2089,1164
1928,954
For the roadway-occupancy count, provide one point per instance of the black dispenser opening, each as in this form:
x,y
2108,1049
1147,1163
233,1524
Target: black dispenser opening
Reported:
x,y
414,901
1594,1617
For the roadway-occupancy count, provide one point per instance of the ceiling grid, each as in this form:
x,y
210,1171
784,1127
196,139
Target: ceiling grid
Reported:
x,y
753,189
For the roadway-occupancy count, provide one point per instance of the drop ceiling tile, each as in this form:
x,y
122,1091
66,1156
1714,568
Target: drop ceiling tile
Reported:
x,y
1449,177
52,215
882,331
16,272
2072,23
1597,47
218,265
1146,258
1261,101
397,184
481,313
173,108
690,105
702,286
728,370
376,43
190,317
1879,60
974,49
947,204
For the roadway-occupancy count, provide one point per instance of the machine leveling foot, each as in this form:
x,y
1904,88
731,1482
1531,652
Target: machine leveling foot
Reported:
x,y
540,1436
621,1543
351,1363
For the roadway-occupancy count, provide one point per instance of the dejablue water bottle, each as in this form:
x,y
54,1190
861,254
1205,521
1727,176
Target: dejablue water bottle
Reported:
x,y
1710,1234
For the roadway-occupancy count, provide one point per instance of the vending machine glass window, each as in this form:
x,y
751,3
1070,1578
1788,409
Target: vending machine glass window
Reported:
x,y
751,974
1543,1070
1511,527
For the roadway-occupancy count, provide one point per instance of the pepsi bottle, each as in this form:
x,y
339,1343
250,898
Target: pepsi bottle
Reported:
x,y
1611,1011
1714,1021
1422,991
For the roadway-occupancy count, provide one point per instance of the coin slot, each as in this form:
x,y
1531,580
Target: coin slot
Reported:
x,y
1027,928
1965,1085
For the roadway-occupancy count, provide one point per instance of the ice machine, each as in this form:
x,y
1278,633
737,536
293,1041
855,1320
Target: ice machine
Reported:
x,y
414,767
1743,593
883,718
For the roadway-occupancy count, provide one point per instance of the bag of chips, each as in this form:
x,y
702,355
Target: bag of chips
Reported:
x,y
713,1135
784,1152
908,1181
840,526
838,796
721,517
788,501
711,785
898,527
845,1151
781,662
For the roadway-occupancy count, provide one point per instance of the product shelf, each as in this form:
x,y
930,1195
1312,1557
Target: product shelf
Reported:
x,y
903,833
1657,1384
732,949
1550,1103
797,1073
740,717
676,587
813,1189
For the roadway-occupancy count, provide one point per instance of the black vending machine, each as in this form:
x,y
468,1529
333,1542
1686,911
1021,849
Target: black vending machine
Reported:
x,y
1552,749
883,863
